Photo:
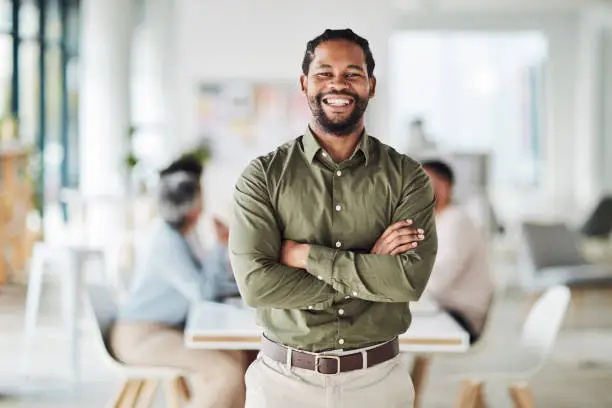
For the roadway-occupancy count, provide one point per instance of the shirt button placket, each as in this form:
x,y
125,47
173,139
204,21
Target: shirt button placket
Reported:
x,y
338,207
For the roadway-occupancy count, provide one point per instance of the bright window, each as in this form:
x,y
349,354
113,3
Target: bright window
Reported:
x,y
476,92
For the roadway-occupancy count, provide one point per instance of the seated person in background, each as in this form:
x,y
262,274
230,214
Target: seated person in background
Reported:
x,y
173,275
460,281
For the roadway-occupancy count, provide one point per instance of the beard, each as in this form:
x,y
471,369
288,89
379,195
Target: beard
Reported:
x,y
337,127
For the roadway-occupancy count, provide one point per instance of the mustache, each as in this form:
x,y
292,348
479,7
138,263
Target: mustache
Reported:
x,y
345,93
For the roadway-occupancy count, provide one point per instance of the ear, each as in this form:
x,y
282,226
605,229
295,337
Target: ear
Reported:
x,y
303,83
372,86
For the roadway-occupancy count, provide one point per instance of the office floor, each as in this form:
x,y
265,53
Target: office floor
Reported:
x,y
578,375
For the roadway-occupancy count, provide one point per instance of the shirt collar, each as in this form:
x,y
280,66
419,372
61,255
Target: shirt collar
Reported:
x,y
312,145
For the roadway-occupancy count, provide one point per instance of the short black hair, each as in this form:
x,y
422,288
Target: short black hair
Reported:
x,y
441,169
186,163
345,34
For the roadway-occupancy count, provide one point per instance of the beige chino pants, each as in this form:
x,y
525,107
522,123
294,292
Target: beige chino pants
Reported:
x,y
271,384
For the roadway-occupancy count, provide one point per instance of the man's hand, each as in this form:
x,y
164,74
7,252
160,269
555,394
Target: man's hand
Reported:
x,y
294,254
397,239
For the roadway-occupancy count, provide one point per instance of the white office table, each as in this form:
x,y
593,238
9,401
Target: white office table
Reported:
x,y
220,326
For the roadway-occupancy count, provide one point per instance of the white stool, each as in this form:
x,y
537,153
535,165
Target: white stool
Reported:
x,y
69,263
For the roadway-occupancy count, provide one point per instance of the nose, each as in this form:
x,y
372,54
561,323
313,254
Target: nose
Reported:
x,y
338,83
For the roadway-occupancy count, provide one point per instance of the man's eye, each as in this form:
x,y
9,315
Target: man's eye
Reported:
x,y
324,74
352,75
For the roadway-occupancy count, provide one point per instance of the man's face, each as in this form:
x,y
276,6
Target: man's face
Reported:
x,y
442,190
337,86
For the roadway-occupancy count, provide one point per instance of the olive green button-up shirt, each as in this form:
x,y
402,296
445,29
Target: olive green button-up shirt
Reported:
x,y
347,298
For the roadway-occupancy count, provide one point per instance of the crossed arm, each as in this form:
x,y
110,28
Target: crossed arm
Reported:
x,y
281,274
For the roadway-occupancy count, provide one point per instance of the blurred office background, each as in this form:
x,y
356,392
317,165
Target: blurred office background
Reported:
x,y
97,96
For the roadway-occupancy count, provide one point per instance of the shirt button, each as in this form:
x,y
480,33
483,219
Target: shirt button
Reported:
x,y
341,341
347,297
324,154
341,312
320,277
354,293
338,173
338,244
310,307
338,207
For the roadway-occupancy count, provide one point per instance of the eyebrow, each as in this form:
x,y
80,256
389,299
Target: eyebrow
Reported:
x,y
352,66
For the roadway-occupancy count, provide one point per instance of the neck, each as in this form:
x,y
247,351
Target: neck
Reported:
x,y
339,147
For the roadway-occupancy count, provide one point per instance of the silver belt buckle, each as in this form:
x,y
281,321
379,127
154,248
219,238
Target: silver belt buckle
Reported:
x,y
318,358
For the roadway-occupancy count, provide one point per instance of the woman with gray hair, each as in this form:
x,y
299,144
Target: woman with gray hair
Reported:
x,y
173,274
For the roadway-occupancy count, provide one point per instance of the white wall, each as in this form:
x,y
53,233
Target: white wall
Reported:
x,y
598,33
593,141
479,6
605,137
588,177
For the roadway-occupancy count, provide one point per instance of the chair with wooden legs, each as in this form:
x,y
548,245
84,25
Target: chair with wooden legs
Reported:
x,y
140,382
422,362
524,357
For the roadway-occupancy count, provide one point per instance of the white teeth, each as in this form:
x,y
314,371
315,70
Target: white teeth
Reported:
x,y
337,102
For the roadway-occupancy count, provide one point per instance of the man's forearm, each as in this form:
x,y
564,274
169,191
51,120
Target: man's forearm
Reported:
x,y
377,278
373,277
267,283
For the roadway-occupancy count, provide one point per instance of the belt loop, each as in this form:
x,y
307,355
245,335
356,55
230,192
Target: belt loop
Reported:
x,y
364,358
289,358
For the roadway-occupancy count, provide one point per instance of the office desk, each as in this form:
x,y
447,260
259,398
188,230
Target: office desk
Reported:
x,y
227,327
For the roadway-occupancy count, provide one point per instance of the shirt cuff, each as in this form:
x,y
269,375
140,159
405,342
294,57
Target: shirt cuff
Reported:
x,y
321,262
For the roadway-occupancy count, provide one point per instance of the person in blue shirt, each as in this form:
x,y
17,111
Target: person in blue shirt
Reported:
x,y
173,274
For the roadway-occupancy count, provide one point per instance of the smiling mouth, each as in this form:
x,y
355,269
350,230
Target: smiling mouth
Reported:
x,y
337,101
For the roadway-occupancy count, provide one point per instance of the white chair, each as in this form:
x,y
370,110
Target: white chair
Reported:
x,y
68,262
140,382
524,357
422,362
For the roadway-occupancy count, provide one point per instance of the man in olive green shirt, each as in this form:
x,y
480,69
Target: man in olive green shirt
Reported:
x,y
333,234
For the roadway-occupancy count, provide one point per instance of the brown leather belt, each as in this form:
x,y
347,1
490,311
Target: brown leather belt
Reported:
x,y
329,364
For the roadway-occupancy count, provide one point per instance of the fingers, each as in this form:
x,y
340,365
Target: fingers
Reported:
x,y
403,248
406,238
403,233
397,234
394,227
